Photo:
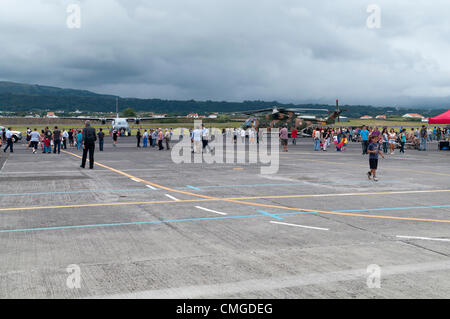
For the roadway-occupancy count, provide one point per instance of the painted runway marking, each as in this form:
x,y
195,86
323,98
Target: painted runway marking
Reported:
x,y
144,222
262,205
301,226
151,187
210,210
192,187
173,198
270,215
135,180
424,238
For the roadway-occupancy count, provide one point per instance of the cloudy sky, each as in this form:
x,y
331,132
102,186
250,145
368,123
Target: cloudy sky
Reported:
x,y
286,50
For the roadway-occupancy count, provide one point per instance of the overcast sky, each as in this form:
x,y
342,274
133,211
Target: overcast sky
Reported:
x,y
286,50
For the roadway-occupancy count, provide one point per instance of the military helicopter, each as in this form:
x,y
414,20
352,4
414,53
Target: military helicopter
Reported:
x,y
277,117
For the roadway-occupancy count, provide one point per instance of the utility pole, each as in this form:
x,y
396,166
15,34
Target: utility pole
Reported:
x,y
338,110
117,107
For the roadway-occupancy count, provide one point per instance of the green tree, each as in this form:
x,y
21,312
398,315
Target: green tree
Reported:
x,y
129,112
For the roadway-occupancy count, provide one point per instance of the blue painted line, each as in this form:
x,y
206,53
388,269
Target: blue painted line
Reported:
x,y
270,215
79,192
283,184
131,223
263,214
192,187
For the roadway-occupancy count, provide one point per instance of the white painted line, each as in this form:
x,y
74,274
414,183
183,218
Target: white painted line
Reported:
x,y
135,180
171,197
151,187
309,227
210,210
424,238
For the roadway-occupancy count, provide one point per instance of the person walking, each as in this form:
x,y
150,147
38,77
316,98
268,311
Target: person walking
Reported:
x,y
294,135
101,139
205,139
89,139
34,140
9,141
115,136
284,137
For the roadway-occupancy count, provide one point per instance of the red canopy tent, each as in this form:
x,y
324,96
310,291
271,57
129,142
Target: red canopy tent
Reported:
x,y
440,119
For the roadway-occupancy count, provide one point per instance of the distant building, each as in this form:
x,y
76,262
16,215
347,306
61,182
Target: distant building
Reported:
x,y
381,117
213,116
51,115
366,117
159,116
413,116
192,116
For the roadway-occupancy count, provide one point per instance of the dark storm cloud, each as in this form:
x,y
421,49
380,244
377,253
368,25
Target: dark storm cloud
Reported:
x,y
279,49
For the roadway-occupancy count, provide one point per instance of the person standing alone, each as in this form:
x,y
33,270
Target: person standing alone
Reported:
x,y
89,138
101,139
56,140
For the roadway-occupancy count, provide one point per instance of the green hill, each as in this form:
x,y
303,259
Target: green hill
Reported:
x,y
17,97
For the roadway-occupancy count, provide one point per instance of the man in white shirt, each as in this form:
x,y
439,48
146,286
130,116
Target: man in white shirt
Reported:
x,y
9,141
34,141
197,137
65,137
205,138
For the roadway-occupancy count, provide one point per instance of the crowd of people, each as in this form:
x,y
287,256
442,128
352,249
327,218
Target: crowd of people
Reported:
x,y
390,139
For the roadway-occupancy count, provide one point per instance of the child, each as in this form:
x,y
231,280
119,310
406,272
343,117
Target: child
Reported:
x,y
47,148
374,150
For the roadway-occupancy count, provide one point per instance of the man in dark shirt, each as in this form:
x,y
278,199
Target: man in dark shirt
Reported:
x,y
89,138
56,140
101,139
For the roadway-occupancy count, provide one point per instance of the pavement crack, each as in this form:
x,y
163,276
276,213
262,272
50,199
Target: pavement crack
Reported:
x,y
425,248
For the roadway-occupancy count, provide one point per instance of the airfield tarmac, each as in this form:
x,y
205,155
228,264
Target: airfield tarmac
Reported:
x,y
139,226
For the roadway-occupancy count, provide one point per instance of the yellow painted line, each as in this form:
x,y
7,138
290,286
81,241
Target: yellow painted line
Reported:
x,y
217,199
257,204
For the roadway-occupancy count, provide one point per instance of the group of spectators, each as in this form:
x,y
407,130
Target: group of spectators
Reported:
x,y
390,139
